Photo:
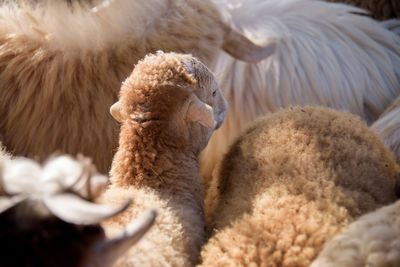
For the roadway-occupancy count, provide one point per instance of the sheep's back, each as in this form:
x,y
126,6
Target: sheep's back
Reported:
x,y
312,152
302,173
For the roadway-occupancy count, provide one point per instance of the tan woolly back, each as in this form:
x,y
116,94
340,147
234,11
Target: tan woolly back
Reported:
x,y
311,151
293,180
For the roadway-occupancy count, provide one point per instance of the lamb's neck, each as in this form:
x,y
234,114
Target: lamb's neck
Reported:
x,y
167,164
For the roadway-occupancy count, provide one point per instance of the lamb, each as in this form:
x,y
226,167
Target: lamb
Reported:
x,y
378,9
328,57
388,127
46,219
169,106
61,65
372,240
290,182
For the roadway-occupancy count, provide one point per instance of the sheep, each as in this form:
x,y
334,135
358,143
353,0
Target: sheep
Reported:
x,y
388,127
169,106
46,219
62,65
378,9
324,55
290,182
372,240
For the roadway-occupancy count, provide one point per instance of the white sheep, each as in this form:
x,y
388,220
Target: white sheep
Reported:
x,y
290,182
372,240
388,127
61,66
46,219
324,55
169,107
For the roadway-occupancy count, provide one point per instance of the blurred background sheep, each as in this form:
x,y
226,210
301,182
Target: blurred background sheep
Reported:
x,y
324,55
47,217
61,67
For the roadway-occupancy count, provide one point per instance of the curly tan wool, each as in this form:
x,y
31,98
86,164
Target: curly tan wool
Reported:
x,y
157,160
290,182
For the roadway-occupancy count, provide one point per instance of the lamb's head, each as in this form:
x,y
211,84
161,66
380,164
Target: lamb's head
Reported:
x,y
175,93
46,219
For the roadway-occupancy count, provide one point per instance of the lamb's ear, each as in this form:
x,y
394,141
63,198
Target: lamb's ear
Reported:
x,y
115,111
240,47
109,251
74,209
198,111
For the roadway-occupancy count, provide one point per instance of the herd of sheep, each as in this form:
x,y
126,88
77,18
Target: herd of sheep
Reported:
x,y
233,133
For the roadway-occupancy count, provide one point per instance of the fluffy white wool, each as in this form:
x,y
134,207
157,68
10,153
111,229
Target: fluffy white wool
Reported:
x,y
372,240
22,175
325,55
58,23
388,127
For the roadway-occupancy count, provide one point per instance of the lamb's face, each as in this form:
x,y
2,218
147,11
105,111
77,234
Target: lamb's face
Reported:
x,y
203,111
207,91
